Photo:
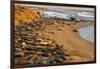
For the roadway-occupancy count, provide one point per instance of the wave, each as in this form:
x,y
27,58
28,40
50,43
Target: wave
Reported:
x,y
51,14
86,14
83,16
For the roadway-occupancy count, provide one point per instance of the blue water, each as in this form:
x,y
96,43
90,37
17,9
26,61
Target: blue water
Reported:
x,y
87,33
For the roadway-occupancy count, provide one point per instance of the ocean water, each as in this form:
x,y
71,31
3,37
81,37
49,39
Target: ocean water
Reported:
x,y
79,15
52,14
87,33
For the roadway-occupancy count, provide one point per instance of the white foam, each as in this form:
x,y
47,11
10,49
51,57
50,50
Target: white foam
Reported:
x,y
51,14
86,14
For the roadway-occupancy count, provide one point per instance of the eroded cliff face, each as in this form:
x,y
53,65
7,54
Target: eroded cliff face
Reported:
x,y
27,14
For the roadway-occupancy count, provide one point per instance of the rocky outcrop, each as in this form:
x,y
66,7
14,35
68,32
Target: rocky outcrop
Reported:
x,y
27,14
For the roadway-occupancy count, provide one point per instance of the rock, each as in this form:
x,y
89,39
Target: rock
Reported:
x,y
53,62
23,43
17,60
45,60
29,52
29,48
59,52
19,54
61,56
32,48
29,28
18,50
74,30
52,47
31,42
25,62
68,24
44,42
59,29
51,32
16,41
19,39
39,53
28,57
74,19
44,49
59,60
44,54
51,58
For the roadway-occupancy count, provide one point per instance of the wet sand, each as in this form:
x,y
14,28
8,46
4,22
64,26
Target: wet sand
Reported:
x,y
80,50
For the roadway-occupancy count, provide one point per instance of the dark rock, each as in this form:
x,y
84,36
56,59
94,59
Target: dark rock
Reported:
x,y
17,60
31,48
29,52
68,24
59,60
74,30
19,54
61,56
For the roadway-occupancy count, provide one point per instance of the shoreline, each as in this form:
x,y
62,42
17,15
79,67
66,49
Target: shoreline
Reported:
x,y
63,33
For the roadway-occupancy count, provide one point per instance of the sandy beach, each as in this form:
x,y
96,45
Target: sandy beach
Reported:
x,y
63,33
80,50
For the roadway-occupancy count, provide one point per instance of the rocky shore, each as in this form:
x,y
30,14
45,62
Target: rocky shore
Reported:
x,y
32,48
41,40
